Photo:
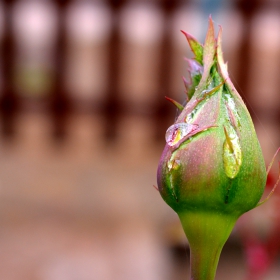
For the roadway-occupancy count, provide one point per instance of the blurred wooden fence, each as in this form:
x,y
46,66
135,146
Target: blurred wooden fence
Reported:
x,y
65,72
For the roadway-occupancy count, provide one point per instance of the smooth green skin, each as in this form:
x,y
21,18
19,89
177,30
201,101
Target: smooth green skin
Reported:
x,y
207,234
197,187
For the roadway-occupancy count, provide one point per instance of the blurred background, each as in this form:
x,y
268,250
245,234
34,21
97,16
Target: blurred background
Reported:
x,y
82,122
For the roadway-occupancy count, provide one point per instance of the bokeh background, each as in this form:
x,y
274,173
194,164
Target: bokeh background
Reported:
x,y
83,119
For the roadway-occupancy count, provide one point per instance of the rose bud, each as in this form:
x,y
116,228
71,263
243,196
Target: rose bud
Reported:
x,y
212,169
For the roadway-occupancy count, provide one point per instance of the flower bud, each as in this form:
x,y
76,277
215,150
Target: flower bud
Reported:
x,y
212,169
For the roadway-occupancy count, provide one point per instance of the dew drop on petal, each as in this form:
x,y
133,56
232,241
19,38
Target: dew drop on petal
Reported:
x,y
205,91
232,154
173,164
178,131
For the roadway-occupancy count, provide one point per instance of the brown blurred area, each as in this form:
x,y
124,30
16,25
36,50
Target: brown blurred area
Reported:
x,y
83,119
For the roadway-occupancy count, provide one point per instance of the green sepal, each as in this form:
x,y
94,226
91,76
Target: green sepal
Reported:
x,y
177,104
196,47
209,51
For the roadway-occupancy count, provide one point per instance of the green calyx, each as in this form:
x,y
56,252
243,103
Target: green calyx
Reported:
x,y
212,169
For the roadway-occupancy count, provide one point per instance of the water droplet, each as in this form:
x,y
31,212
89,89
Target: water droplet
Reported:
x,y
205,91
230,102
191,115
169,164
178,131
211,84
232,153
231,110
173,164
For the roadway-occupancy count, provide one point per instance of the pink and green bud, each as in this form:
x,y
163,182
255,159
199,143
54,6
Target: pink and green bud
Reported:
x,y
212,169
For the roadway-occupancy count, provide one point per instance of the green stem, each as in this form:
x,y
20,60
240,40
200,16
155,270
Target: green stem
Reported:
x,y
207,234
